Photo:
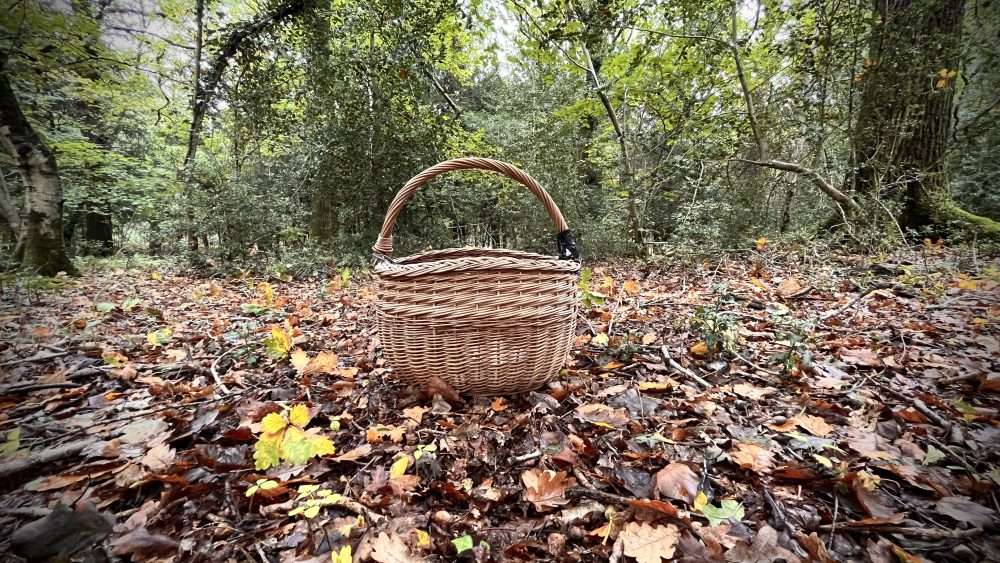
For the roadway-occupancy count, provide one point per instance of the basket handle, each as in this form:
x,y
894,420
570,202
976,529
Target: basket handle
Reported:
x,y
566,244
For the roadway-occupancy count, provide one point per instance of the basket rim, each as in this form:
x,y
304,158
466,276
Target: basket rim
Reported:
x,y
472,258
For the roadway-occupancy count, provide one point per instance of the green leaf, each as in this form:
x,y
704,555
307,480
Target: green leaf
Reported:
x,y
11,445
267,484
252,309
159,337
932,456
462,543
130,304
728,509
252,490
104,307
306,490
296,448
311,512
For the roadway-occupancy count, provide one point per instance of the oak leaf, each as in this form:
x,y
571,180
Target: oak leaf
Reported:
x,y
649,544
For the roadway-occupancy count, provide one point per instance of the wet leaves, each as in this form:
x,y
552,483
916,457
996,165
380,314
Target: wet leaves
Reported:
x,y
676,481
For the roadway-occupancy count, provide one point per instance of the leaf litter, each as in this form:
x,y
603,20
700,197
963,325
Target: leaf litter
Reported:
x,y
747,409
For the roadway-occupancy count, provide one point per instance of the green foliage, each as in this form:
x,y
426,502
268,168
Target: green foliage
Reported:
x,y
727,510
718,329
284,438
588,296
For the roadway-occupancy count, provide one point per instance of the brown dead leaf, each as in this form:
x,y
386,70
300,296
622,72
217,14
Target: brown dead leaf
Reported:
x,y
649,338
355,454
602,415
414,416
789,287
863,357
649,544
752,457
139,542
765,549
963,509
631,287
676,481
391,548
753,392
812,424
546,488
159,458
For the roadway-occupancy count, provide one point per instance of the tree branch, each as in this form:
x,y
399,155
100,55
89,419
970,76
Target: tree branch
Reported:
x,y
815,177
205,89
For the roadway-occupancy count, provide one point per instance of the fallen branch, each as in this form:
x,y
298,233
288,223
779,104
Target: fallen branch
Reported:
x,y
923,533
28,388
35,358
48,455
676,366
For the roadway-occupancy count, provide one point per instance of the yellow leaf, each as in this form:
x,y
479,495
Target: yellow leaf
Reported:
x,y
423,538
159,337
654,386
761,243
273,423
699,501
601,339
322,445
299,416
631,287
266,293
300,361
157,276
398,468
699,348
342,556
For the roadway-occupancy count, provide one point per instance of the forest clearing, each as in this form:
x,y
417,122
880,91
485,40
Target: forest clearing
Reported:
x,y
499,280
758,408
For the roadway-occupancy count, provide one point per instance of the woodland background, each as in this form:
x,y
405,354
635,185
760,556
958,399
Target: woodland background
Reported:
x,y
275,133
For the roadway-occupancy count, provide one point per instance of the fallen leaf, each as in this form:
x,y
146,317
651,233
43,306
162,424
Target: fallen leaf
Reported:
x,y
753,457
699,349
139,542
631,287
753,392
765,549
159,458
861,357
676,481
727,510
391,548
602,415
963,509
546,488
649,544
789,287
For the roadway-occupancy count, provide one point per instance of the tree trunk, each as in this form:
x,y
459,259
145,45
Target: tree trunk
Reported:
x,y
905,120
43,248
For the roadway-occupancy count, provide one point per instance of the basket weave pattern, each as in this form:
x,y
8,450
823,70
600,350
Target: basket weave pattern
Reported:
x,y
487,321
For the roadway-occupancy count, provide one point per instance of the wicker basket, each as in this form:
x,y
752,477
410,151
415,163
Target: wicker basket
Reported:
x,y
486,321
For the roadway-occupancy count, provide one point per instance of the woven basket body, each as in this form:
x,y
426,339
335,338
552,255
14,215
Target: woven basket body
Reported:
x,y
486,321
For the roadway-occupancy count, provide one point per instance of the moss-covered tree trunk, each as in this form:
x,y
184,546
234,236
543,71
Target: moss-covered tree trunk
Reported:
x,y
905,120
43,250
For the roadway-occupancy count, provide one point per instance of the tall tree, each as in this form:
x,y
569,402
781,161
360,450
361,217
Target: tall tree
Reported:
x,y
42,235
905,124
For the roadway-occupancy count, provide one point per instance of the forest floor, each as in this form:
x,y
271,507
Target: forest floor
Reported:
x,y
752,409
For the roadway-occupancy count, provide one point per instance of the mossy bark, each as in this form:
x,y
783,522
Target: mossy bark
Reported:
x,y
905,120
42,233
